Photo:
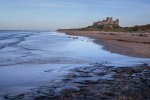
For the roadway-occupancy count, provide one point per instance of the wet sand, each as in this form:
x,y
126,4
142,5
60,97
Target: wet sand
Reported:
x,y
131,44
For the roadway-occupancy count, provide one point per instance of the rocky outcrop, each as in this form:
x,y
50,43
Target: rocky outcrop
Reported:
x,y
97,82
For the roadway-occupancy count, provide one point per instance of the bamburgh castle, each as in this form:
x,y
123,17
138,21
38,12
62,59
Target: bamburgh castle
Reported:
x,y
108,23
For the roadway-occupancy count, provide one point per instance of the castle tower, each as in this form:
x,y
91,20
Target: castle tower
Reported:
x,y
110,19
117,22
107,18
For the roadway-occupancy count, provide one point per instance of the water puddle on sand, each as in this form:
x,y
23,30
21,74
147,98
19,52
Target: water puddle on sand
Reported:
x,y
33,59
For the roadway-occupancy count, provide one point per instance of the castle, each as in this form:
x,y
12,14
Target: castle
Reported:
x,y
109,23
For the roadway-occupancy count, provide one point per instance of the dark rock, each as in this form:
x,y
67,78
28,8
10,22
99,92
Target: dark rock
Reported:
x,y
124,70
136,69
109,93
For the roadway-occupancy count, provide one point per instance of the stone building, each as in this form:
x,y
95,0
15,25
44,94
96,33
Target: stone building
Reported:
x,y
108,23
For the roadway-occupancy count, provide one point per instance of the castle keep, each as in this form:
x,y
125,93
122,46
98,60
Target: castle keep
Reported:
x,y
109,23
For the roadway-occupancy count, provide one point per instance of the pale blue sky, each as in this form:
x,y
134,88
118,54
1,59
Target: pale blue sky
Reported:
x,y
54,14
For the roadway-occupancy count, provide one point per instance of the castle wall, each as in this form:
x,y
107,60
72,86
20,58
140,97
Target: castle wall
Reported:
x,y
108,21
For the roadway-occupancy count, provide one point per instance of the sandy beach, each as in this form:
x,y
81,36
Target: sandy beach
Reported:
x,y
131,44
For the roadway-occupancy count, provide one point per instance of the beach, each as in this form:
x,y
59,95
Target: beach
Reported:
x,y
131,44
57,66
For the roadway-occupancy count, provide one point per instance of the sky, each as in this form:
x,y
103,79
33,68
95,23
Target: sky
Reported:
x,y
56,14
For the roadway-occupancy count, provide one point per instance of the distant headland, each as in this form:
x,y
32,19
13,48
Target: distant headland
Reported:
x,y
114,26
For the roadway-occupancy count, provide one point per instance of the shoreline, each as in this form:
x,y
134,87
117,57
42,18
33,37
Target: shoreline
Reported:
x,y
94,82
130,44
